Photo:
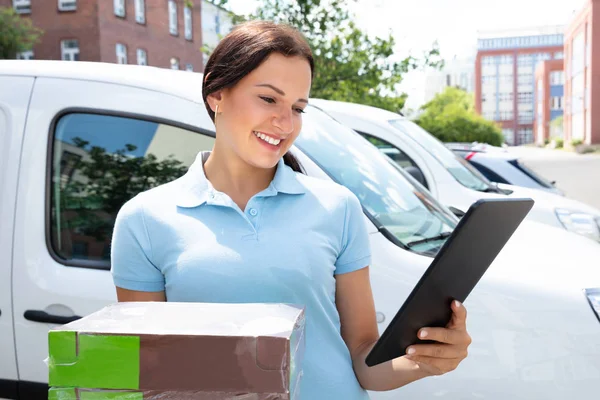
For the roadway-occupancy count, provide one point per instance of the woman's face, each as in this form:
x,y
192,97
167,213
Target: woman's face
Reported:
x,y
261,116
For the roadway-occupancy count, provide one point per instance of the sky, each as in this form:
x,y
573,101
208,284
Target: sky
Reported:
x,y
454,24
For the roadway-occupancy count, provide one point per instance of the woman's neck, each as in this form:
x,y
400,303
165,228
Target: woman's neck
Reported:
x,y
233,176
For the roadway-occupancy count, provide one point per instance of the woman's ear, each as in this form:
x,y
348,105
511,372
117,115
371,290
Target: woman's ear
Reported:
x,y
215,99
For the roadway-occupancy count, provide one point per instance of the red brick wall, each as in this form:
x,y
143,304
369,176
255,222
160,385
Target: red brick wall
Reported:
x,y
154,36
579,24
81,25
98,30
543,72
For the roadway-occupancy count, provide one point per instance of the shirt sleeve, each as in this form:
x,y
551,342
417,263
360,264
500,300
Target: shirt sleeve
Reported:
x,y
356,249
131,252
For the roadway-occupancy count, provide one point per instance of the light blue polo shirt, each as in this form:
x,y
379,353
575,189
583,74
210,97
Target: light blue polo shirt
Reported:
x,y
195,243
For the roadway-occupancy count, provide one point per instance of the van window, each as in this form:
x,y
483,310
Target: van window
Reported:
x,y
98,163
393,152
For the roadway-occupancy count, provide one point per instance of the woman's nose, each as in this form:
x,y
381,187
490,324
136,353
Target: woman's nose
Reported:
x,y
284,121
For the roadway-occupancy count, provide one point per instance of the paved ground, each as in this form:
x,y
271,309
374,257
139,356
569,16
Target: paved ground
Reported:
x,y
577,175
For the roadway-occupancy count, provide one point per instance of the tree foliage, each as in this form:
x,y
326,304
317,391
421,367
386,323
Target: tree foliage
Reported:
x,y
105,181
16,34
350,65
451,117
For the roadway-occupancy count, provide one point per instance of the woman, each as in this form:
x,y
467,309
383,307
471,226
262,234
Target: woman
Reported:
x,y
245,225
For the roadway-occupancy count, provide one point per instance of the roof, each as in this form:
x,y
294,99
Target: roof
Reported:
x,y
520,32
184,84
359,110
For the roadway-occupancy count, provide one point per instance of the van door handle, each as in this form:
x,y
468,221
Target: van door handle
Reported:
x,y
43,316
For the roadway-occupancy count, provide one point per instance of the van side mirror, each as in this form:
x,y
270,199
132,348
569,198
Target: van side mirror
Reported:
x,y
417,174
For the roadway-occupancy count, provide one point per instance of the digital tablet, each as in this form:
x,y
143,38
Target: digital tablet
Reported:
x,y
459,265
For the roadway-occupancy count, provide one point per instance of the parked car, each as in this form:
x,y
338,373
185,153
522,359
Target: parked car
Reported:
x,y
79,139
451,179
502,166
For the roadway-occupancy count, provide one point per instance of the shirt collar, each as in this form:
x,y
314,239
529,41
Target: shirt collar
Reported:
x,y
196,189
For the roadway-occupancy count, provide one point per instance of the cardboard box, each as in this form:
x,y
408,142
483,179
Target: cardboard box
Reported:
x,y
184,350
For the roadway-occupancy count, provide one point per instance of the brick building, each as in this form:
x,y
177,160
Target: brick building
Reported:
x,y
504,76
549,92
582,76
161,33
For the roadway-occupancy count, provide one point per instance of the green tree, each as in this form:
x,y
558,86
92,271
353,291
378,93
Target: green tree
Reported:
x,y
16,34
106,180
350,65
451,117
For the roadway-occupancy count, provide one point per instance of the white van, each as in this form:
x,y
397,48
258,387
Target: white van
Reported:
x,y
78,139
452,180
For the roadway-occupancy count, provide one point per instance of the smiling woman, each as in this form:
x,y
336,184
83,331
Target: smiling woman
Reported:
x,y
244,225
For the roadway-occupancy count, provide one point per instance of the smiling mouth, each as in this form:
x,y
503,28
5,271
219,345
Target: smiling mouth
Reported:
x,y
268,139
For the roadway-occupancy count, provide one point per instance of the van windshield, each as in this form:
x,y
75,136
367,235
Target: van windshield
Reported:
x,y
389,196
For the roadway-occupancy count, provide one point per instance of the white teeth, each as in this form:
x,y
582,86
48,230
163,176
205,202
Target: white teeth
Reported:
x,y
267,139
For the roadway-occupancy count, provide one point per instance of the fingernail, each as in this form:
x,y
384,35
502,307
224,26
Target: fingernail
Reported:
x,y
423,334
411,351
457,303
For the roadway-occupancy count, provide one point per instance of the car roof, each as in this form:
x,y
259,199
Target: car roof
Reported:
x,y
359,110
185,84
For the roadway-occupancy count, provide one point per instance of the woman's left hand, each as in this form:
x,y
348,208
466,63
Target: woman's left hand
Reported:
x,y
453,343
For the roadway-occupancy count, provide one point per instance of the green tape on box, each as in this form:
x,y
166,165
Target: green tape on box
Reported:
x,y
103,362
62,394
71,394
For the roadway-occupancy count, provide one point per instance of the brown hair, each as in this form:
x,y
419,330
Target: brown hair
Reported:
x,y
246,47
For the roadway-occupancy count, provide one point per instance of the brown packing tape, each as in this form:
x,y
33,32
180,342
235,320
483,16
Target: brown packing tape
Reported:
x,y
257,365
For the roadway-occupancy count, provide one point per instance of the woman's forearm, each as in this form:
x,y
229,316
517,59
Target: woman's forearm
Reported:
x,y
386,376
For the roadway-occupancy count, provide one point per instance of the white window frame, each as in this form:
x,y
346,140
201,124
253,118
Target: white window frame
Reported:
x,y
70,51
25,55
121,52
175,63
188,23
142,57
119,8
173,28
22,6
189,67
67,5
140,11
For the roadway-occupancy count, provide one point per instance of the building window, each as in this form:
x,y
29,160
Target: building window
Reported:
x,y
557,78
189,67
525,135
121,53
25,55
509,136
173,18
525,97
119,6
217,24
187,22
525,117
506,115
69,50
67,5
140,11
142,57
22,6
556,103
174,63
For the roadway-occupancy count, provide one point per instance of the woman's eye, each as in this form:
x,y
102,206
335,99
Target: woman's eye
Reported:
x,y
299,110
267,99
